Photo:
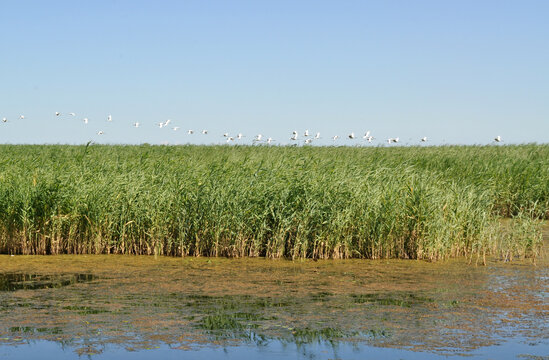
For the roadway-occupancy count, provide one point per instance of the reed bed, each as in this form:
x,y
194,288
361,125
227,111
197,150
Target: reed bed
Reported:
x,y
292,202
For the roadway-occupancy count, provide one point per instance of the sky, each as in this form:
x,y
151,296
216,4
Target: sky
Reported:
x,y
456,71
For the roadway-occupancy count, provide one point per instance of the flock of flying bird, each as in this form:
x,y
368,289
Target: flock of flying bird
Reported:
x,y
307,137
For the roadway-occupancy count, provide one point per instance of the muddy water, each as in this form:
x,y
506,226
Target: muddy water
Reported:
x,y
172,307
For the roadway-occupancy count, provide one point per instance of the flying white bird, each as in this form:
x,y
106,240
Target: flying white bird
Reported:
x,y
109,118
335,137
4,119
294,132
100,132
226,135
72,114
175,128
306,133
136,124
21,117
161,125
370,138
308,141
190,132
167,122
294,136
205,132
270,140
366,135
229,139
258,137
85,120
424,139
497,139
317,136
239,136
352,135
395,140
57,113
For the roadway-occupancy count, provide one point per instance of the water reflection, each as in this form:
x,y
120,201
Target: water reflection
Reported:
x,y
22,281
272,351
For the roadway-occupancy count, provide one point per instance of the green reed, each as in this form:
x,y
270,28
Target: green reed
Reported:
x,y
319,202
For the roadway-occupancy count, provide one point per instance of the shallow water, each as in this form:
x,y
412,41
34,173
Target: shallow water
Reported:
x,y
146,307
273,351
22,281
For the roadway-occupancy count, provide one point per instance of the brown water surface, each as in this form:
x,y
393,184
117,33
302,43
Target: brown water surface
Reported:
x,y
142,302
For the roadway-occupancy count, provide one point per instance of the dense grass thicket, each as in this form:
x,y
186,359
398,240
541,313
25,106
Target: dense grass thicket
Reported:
x,y
294,202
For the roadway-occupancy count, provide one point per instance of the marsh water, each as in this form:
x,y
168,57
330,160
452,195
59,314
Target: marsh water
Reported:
x,y
143,307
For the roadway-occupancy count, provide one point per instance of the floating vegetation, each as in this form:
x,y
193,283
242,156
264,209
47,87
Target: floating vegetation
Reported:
x,y
34,330
221,322
265,302
394,299
85,310
321,296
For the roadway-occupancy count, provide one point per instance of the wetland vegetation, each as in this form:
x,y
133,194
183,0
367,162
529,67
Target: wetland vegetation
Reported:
x,y
276,202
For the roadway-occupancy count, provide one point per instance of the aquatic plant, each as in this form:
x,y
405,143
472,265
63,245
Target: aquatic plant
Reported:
x,y
322,202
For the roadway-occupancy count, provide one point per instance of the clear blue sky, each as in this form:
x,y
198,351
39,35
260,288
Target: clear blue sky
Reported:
x,y
456,71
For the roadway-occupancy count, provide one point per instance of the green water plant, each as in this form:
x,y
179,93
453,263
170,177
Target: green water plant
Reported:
x,y
312,202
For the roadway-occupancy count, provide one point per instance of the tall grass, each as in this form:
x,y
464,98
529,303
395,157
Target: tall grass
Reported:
x,y
426,203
